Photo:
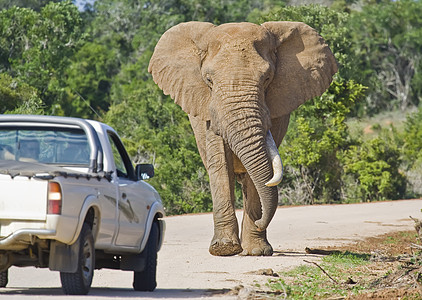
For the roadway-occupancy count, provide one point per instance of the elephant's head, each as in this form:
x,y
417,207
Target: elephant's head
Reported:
x,y
239,76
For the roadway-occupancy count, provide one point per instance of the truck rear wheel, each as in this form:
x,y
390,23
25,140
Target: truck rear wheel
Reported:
x,y
4,278
79,283
146,280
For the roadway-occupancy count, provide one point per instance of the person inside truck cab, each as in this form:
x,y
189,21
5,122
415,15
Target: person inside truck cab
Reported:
x,y
29,150
6,152
76,153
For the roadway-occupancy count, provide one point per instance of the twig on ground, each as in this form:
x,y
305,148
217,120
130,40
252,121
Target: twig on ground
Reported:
x,y
311,262
321,251
418,226
412,245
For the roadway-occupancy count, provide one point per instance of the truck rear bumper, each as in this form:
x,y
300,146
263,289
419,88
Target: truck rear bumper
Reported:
x,y
26,235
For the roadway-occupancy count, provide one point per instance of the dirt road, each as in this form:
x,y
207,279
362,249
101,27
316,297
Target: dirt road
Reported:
x,y
187,270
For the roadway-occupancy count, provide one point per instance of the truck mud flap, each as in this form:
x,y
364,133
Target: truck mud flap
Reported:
x,y
63,257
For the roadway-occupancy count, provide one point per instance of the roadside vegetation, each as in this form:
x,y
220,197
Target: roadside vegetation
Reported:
x,y
382,267
92,63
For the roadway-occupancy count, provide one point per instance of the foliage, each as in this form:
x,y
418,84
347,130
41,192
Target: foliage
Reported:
x,y
388,39
90,75
412,138
36,47
411,145
374,166
314,144
18,97
32,4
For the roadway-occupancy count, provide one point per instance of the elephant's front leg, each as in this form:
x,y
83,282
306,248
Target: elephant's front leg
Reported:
x,y
220,170
254,242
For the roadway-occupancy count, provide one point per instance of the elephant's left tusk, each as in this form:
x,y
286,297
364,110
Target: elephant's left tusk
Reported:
x,y
275,159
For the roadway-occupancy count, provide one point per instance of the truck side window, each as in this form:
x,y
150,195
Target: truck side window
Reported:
x,y
123,164
120,166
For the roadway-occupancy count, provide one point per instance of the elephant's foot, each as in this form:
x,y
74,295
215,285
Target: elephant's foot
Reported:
x,y
225,246
257,248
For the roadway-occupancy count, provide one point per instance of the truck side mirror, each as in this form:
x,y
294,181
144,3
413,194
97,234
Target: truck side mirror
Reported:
x,y
144,171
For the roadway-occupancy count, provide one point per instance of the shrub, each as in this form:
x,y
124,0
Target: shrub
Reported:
x,y
412,138
412,156
374,167
313,146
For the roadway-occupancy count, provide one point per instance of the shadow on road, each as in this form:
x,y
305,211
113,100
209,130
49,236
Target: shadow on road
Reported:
x,y
115,293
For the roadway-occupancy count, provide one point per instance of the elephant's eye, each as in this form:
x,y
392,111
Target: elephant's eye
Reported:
x,y
209,81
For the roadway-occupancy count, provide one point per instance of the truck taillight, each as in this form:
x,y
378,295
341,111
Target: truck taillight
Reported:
x,y
54,198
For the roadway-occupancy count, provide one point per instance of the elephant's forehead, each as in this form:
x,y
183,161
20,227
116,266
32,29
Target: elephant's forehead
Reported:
x,y
244,33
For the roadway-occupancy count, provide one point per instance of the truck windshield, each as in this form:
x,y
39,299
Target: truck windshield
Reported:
x,y
62,146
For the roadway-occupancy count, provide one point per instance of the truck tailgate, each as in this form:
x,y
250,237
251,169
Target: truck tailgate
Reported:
x,y
22,198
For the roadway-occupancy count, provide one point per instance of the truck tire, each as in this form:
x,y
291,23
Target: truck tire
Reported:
x,y
146,280
79,283
4,278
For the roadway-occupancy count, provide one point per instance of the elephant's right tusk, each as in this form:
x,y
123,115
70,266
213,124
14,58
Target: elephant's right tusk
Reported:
x,y
276,161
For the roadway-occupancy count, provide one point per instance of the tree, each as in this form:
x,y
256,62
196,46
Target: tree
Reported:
x,y
388,39
89,76
35,5
18,97
36,47
16,26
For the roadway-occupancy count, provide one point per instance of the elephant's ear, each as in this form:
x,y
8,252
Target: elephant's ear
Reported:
x,y
304,69
175,67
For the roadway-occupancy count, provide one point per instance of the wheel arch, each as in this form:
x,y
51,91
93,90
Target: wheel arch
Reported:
x,y
156,214
90,213
93,219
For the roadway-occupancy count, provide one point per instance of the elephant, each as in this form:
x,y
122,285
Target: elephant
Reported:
x,y
238,83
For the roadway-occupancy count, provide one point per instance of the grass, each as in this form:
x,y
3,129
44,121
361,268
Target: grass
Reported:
x,y
310,282
383,267
370,127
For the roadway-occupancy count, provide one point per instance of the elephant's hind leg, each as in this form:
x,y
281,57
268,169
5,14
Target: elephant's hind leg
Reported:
x,y
254,242
220,169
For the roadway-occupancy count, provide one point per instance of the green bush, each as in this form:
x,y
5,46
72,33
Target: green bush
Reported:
x,y
412,138
411,152
375,167
311,151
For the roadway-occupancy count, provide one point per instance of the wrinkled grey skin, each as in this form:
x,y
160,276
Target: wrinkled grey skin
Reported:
x,y
238,82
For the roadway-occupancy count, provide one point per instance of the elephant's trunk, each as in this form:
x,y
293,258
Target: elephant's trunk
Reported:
x,y
250,140
260,168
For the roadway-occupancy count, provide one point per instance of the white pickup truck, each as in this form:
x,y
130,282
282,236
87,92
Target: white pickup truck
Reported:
x,y
71,201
